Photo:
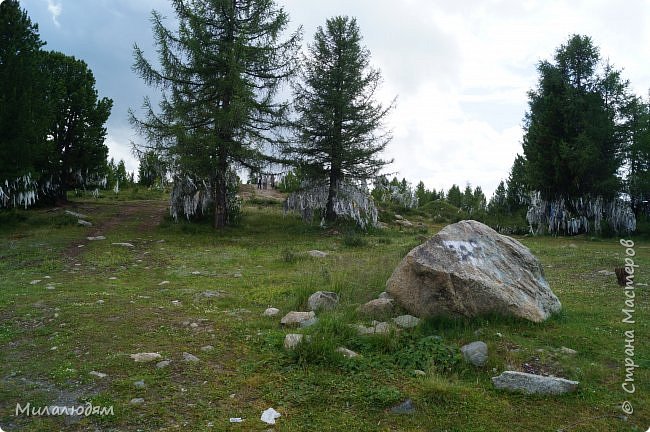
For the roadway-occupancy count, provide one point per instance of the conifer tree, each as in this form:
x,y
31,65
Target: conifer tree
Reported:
x,y
340,124
220,73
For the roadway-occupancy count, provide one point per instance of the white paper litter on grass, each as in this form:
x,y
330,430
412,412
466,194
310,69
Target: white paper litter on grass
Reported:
x,y
269,416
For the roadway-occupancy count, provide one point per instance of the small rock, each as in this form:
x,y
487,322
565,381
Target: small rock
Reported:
x,y
35,281
309,322
75,214
347,352
137,401
96,238
317,254
145,357
84,223
163,283
271,312
163,364
405,407
385,295
269,416
475,353
323,300
399,217
190,358
568,351
295,318
363,330
404,223
382,328
123,244
50,287
207,348
112,278
533,384
606,272
196,273
406,321
98,374
100,301
418,372
139,384
194,325
176,302
377,308
292,340
238,275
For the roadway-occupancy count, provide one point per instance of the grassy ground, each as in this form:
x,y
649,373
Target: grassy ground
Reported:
x,y
97,303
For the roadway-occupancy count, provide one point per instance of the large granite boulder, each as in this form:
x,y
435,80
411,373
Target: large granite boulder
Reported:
x,y
468,269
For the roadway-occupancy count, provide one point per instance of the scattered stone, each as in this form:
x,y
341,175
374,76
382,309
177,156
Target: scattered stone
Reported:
x,y
317,254
129,245
50,287
347,353
533,384
405,407
399,217
96,238
292,340
568,351
295,318
406,321
271,312
382,328
84,223
323,300
163,283
384,295
309,322
606,272
35,281
377,308
190,358
75,214
100,301
98,374
145,357
207,348
163,364
196,273
139,384
573,246
137,401
269,416
363,330
112,278
475,353
405,223
238,275
418,372
468,269
176,302
194,325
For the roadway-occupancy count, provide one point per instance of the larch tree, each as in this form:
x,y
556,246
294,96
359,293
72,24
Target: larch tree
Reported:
x,y
340,124
219,72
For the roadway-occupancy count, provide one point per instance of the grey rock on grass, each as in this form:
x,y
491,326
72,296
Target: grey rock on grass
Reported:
x,y
323,300
533,384
475,353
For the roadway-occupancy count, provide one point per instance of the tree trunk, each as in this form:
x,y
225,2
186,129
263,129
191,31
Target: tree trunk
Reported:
x,y
220,192
330,214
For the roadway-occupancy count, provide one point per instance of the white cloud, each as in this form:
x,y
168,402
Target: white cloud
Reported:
x,y
55,10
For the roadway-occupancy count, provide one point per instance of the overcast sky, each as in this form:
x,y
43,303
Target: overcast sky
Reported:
x,y
460,69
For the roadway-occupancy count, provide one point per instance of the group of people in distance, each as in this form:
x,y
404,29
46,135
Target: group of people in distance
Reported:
x,y
264,181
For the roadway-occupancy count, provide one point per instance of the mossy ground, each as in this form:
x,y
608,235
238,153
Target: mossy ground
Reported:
x,y
50,339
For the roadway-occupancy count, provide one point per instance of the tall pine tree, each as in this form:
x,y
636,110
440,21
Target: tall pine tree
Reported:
x,y
220,72
340,124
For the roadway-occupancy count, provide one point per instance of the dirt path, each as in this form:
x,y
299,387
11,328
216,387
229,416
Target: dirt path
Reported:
x,y
147,214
